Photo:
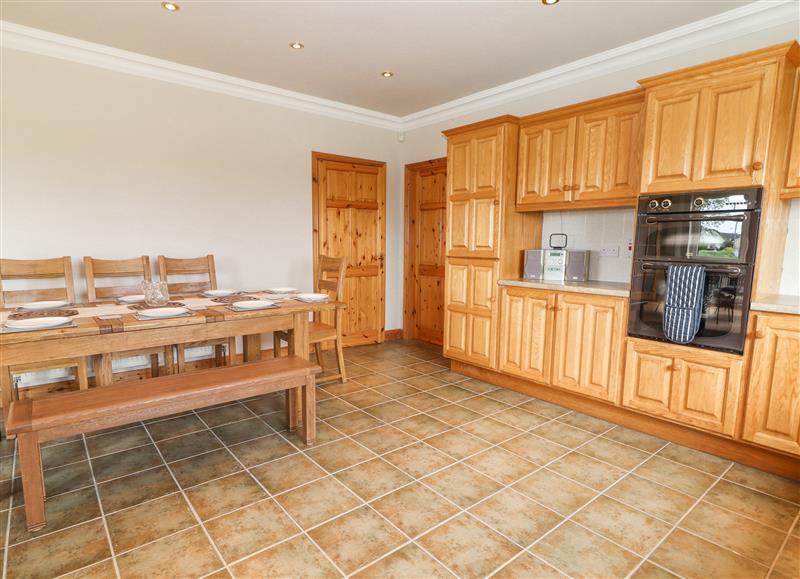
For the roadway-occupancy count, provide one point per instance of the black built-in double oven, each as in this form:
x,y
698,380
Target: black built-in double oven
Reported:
x,y
717,229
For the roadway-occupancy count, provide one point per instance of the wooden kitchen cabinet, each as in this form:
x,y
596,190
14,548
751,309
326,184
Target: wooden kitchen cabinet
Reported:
x,y
791,182
546,155
689,385
772,415
588,336
526,332
470,317
708,127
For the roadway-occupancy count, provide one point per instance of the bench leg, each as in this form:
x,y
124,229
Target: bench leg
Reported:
x,y
103,372
309,410
292,407
180,350
154,365
32,480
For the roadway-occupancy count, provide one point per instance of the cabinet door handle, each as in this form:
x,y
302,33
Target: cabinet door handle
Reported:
x,y
676,366
758,335
566,188
758,165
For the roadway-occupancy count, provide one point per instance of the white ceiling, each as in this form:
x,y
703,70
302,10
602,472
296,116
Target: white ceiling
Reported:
x,y
439,51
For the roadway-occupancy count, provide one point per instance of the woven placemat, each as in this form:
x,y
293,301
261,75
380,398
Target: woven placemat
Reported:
x,y
43,314
232,299
139,307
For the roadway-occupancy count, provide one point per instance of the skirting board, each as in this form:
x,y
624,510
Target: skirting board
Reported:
x,y
739,451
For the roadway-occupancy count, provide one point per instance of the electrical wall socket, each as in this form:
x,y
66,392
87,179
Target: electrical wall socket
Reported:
x,y
609,251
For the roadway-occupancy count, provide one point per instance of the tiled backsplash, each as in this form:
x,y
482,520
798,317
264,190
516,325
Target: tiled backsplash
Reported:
x,y
597,230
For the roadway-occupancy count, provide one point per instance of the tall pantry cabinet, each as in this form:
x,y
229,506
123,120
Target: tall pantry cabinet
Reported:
x,y
481,194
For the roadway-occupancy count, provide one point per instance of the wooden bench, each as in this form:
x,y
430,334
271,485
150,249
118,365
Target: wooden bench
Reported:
x,y
38,420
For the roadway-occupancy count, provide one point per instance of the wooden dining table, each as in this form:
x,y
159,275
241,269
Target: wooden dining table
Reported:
x,y
108,327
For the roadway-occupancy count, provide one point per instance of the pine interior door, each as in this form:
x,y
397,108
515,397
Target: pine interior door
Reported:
x,y
426,191
350,222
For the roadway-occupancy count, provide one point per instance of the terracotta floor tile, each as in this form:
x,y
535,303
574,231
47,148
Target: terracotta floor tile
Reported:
x,y
477,386
659,501
765,482
250,529
527,566
451,393
365,398
635,438
136,488
491,430
372,380
287,473
516,516
449,376
468,547
62,511
788,563
423,401
405,563
187,554
501,465
126,462
222,495
649,570
117,441
260,450
507,396
462,485
555,492
266,404
243,430
226,414
454,415
390,411
188,445
675,475
66,478
563,434
546,409
580,553
339,455
380,365
357,538
172,427
484,405
61,454
199,469
691,557
696,459
426,382
400,373
325,434
622,524
296,558
101,570
587,470
624,457
586,422
426,368
535,449
330,408
457,443
415,508
149,521
373,478
59,552
418,459
384,438
519,418
750,539
766,509
277,421
318,501
339,389
397,389
354,422
421,426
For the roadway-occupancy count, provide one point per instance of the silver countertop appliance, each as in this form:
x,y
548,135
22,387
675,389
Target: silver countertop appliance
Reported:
x,y
557,263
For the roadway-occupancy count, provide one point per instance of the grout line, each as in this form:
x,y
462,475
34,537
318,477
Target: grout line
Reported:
x,y
782,548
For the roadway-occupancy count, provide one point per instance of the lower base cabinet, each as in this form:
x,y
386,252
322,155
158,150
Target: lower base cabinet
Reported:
x,y
526,332
772,417
697,387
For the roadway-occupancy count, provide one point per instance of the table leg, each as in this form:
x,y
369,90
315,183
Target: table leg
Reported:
x,y
252,347
32,480
6,390
103,373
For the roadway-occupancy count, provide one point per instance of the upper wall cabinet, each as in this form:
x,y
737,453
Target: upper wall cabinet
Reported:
x,y
581,156
791,182
709,126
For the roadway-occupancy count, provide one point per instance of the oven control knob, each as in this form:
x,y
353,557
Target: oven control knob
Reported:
x,y
699,202
666,204
653,204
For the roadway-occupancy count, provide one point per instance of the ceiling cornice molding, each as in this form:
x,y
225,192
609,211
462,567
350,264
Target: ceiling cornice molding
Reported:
x,y
38,41
731,24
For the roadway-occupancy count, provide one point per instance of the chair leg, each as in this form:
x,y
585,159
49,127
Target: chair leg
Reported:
x,y
318,351
292,408
230,352
340,358
181,354
154,365
169,366
219,355
82,375
32,480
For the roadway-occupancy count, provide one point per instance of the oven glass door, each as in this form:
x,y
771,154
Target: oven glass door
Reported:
x,y
714,237
725,305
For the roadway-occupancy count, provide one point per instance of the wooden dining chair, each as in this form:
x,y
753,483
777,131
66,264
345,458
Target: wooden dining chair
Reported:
x,y
33,270
204,267
136,268
329,278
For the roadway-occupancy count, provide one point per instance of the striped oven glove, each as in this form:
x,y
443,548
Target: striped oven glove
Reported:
x,y
683,307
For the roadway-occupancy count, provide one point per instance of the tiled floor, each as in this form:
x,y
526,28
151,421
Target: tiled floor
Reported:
x,y
418,472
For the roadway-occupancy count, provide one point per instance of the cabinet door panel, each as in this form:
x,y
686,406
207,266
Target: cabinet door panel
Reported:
x,y
459,157
487,164
457,284
484,226
773,410
705,394
526,333
547,154
455,333
592,153
648,380
623,166
458,226
531,164
791,184
570,325
482,286
481,340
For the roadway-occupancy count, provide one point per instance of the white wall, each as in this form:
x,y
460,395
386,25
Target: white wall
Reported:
x,y
583,226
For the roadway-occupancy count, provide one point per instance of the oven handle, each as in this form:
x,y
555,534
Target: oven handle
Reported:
x,y
731,271
678,218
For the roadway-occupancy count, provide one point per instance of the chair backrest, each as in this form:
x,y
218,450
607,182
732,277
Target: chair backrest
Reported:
x,y
136,267
171,266
33,269
330,276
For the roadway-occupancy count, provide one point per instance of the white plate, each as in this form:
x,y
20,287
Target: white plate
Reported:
x,y
219,293
36,306
37,323
134,299
157,313
253,304
282,290
313,297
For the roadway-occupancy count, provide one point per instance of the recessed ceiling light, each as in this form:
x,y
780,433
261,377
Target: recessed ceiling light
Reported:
x,y
296,45
549,2
170,6
387,74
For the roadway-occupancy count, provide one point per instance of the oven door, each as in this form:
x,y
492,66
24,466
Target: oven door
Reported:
x,y
725,306
728,237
